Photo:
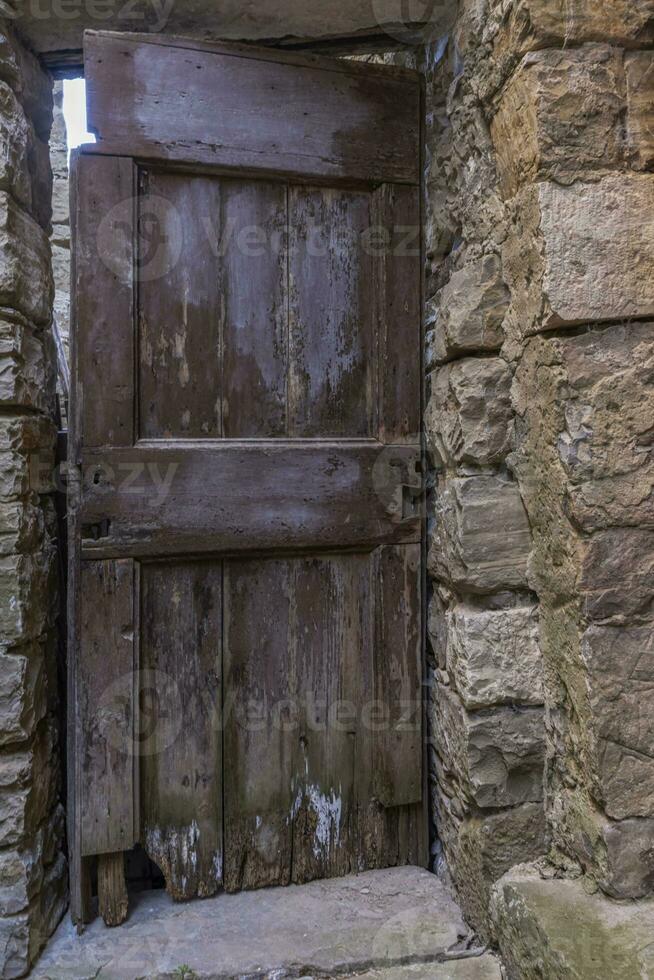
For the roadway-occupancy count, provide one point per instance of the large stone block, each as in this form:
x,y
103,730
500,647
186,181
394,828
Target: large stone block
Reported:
x,y
551,927
581,254
639,70
481,542
493,656
27,375
470,311
616,571
23,936
23,694
599,234
616,854
585,405
560,117
482,847
14,942
22,528
469,418
27,595
496,756
619,661
30,82
608,404
29,787
530,24
14,147
25,276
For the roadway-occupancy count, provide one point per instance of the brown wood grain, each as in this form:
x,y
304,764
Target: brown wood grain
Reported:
x,y
106,707
331,336
398,303
331,638
255,293
180,731
258,712
228,498
113,901
246,439
303,747
103,371
180,308
398,676
160,102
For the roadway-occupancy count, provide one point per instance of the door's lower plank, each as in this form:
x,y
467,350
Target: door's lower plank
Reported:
x,y
180,726
302,715
113,902
259,742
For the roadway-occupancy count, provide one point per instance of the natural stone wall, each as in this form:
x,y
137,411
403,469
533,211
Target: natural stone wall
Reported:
x,y
32,865
487,716
579,261
540,354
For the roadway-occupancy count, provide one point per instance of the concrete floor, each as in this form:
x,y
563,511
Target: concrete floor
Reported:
x,y
399,924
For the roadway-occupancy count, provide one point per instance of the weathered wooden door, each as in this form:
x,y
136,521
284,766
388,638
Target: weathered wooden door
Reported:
x,y
246,529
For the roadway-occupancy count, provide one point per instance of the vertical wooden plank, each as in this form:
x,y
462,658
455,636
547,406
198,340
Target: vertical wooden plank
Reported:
x,y
180,307
260,728
330,636
113,902
106,706
398,675
397,291
254,242
80,879
180,730
103,282
389,750
331,312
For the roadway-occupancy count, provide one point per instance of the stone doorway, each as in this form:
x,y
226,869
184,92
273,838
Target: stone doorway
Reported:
x,y
538,282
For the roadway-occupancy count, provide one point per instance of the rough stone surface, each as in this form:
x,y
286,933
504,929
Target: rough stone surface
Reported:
x,y
496,756
23,694
487,720
33,879
551,927
639,71
33,87
378,919
620,665
560,117
469,417
493,656
469,311
26,367
482,539
566,240
25,275
585,406
530,24
484,846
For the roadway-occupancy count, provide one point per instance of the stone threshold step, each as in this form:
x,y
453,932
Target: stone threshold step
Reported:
x,y
381,925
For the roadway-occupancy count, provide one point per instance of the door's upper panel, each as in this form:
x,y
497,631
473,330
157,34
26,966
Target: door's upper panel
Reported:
x,y
255,310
